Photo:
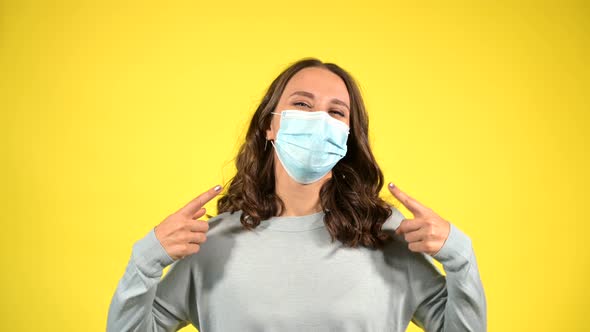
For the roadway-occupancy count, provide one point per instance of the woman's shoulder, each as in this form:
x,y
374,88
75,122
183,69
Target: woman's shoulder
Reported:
x,y
393,222
228,215
397,246
223,222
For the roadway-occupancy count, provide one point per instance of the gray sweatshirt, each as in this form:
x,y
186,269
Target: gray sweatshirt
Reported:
x,y
286,275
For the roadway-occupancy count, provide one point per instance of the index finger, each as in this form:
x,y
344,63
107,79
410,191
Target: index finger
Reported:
x,y
198,202
411,204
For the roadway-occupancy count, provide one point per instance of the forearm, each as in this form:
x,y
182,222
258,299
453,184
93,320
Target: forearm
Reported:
x,y
465,308
133,307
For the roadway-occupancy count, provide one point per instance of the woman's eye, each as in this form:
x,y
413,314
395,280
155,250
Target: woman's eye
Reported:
x,y
300,103
339,113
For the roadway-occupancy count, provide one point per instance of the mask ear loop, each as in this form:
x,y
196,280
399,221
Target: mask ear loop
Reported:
x,y
266,142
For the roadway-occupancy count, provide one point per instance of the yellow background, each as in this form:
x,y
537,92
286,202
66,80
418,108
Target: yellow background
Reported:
x,y
113,115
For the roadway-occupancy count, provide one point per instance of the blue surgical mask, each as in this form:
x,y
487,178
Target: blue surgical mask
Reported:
x,y
309,144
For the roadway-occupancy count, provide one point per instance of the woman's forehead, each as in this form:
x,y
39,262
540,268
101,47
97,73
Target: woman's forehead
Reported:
x,y
320,82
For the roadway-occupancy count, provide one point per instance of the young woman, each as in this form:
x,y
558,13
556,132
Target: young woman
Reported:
x,y
302,241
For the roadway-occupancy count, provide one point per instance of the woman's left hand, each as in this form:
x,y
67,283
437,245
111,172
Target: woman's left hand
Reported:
x,y
427,232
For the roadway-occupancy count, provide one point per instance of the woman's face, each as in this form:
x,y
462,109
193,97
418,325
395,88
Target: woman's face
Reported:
x,y
313,89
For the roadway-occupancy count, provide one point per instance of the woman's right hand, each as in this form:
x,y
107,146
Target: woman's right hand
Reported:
x,y
181,233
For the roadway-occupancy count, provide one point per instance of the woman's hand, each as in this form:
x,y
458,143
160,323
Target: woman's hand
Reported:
x,y
427,232
181,234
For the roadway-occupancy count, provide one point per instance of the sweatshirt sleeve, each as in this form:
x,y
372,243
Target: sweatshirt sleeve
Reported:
x,y
453,303
143,302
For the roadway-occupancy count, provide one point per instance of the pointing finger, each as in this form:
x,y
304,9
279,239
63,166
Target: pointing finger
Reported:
x,y
411,204
192,207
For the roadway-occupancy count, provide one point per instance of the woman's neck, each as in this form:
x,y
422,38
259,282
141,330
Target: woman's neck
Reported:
x,y
299,199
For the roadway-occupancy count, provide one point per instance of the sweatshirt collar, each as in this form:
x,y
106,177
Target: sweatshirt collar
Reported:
x,y
295,223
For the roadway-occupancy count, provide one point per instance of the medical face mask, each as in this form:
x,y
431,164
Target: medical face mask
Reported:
x,y
309,144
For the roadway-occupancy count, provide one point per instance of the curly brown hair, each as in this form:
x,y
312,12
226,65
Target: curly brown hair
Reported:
x,y
354,212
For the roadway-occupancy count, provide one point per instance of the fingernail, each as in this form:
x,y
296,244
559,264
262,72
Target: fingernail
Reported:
x,y
217,188
391,185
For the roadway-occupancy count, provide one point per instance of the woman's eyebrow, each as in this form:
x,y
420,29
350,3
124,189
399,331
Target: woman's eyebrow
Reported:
x,y
303,93
310,95
340,102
